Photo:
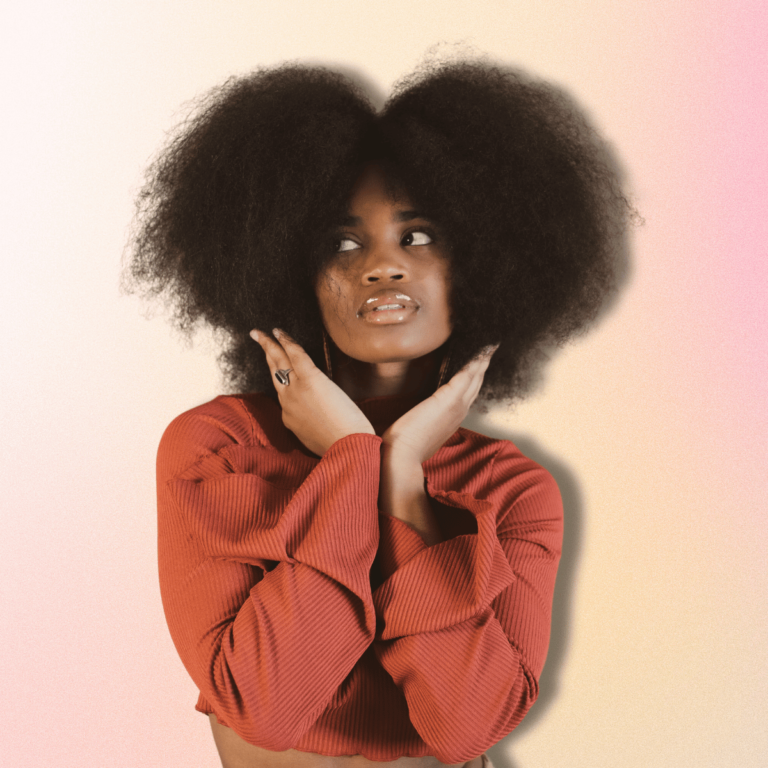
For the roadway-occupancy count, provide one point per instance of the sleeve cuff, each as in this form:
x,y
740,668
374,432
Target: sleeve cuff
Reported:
x,y
431,588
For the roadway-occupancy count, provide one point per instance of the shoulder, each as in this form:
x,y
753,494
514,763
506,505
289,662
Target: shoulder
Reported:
x,y
508,478
228,420
472,454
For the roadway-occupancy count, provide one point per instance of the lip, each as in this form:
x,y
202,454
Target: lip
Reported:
x,y
388,316
388,303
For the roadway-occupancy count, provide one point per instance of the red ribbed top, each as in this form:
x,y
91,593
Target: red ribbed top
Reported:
x,y
310,621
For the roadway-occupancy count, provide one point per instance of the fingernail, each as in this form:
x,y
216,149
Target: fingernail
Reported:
x,y
277,333
254,335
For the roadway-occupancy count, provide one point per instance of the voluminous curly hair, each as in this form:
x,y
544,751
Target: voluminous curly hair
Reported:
x,y
238,212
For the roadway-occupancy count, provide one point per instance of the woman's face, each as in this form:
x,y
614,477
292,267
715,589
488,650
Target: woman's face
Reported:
x,y
384,296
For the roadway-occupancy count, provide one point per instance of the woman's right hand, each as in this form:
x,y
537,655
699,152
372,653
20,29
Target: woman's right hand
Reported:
x,y
315,409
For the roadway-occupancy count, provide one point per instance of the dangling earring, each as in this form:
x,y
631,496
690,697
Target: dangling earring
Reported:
x,y
327,352
444,367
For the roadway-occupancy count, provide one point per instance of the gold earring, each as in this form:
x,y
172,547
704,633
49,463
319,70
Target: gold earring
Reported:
x,y
327,352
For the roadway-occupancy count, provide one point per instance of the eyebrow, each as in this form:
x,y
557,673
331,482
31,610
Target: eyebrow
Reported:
x,y
356,221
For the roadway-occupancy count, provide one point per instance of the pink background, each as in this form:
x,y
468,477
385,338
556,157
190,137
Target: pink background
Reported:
x,y
655,423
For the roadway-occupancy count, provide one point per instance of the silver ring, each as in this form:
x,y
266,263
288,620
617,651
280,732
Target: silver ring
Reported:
x,y
282,376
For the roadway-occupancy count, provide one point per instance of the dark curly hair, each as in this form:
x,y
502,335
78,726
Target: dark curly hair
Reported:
x,y
238,212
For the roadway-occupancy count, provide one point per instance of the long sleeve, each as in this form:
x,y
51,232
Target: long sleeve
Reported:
x,y
464,625
265,570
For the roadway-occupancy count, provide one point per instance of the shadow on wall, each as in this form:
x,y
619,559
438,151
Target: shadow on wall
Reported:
x,y
564,587
566,480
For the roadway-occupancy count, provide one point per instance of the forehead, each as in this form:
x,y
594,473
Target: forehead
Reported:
x,y
373,191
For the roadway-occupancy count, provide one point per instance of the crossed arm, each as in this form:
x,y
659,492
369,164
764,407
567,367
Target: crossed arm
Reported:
x,y
266,585
318,412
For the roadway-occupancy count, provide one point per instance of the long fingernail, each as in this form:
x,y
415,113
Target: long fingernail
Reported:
x,y
254,335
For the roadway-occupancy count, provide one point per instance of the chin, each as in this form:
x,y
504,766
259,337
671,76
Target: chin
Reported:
x,y
391,344
392,355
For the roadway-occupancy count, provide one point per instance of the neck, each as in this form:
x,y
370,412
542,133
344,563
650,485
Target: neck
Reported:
x,y
416,378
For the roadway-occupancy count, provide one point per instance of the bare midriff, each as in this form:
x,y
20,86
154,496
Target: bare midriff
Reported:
x,y
237,753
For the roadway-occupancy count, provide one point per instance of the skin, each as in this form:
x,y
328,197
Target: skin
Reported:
x,y
386,249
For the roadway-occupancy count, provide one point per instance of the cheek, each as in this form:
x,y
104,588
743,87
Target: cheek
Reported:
x,y
443,323
447,303
332,301
443,314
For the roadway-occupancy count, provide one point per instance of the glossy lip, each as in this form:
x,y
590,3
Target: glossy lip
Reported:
x,y
406,305
389,316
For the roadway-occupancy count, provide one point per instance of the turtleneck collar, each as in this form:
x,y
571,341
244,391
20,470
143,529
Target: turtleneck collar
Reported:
x,y
384,411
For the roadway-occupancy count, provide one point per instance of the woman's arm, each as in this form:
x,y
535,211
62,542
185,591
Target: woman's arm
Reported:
x,y
414,438
265,586
464,624
402,495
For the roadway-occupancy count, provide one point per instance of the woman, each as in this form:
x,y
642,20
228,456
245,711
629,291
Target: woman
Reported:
x,y
349,577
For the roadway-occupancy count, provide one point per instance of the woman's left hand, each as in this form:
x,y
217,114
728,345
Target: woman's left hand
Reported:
x,y
418,434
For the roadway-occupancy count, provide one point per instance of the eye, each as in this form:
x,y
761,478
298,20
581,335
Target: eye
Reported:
x,y
346,244
417,237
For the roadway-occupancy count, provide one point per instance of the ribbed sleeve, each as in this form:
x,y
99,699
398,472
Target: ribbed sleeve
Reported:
x,y
266,589
464,625
398,543
265,555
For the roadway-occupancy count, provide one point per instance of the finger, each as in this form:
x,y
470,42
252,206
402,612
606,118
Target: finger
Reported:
x,y
277,358
474,382
462,379
476,366
480,361
484,360
486,353
477,385
464,384
476,372
300,361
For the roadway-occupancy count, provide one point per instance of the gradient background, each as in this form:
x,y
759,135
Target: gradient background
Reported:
x,y
654,424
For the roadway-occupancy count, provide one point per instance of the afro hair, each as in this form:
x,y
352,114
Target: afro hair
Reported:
x,y
238,211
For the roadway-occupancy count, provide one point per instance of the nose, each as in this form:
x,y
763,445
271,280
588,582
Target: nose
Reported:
x,y
386,265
